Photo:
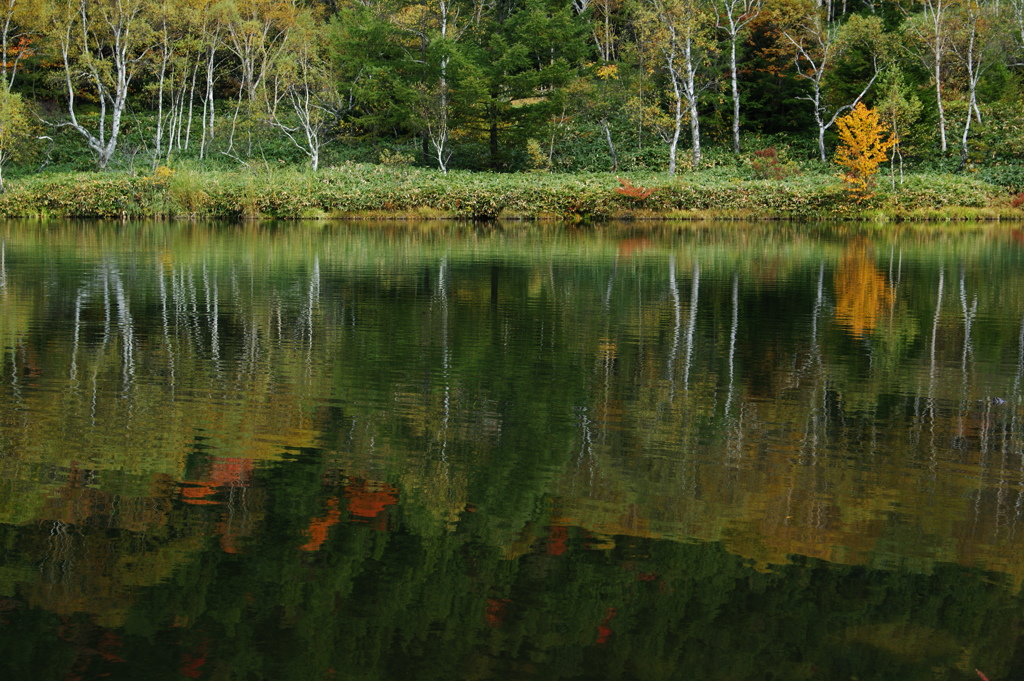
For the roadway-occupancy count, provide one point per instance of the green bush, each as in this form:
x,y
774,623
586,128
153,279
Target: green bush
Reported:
x,y
359,189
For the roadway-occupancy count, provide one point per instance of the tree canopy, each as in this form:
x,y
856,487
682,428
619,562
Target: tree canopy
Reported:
x,y
508,84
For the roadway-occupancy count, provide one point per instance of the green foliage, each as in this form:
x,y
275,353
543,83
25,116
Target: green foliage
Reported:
x,y
15,128
354,190
585,86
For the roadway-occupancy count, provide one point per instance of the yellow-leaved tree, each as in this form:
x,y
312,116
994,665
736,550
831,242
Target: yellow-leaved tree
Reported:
x,y
864,143
15,127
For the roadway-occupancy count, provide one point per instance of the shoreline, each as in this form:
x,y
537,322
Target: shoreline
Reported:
x,y
369,192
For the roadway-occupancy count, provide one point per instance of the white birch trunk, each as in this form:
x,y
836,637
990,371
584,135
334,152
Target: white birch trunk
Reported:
x,y
89,63
812,63
733,17
670,58
10,35
161,80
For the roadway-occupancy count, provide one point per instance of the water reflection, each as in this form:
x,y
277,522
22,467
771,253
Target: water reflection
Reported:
x,y
310,452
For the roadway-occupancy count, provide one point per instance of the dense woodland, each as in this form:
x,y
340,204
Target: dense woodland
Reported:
x,y
580,85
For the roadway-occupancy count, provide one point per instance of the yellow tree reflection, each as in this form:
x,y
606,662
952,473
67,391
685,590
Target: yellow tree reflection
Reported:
x,y
862,295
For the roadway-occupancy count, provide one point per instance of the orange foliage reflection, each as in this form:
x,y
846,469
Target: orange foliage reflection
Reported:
x,y
317,530
604,629
557,540
229,471
861,292
192,665
366,498
494,615
628,247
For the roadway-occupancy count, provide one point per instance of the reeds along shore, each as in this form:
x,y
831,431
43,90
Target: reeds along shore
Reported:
x,y
361,190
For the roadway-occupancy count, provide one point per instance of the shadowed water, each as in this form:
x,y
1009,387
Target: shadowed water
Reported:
x,y
305,452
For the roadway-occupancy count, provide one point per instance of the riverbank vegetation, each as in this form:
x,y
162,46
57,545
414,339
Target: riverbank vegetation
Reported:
x,y
376,191
288,108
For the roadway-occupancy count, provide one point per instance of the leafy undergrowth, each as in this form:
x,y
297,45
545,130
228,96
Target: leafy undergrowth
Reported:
x,y
371,190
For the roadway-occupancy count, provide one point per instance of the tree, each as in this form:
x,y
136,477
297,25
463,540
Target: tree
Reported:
x,y
206,22
598,99
975,38
438,26
103,46
1017,15
930,32
863,146
15,35
255,32
817,46
310,86
522,57
370,53
678,29
602,28
733,17
165,52
899,107
439,125
15,127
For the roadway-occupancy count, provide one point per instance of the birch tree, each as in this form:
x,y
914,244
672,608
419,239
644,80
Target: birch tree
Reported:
x,y
207,22
164,50
16,18
309,86
255,32
102,45
900,108
1017,18
438,26
678,30
930,32
599,15
974,40
733,18
817,46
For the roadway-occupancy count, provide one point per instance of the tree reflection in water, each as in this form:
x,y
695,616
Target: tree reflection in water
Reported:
x,y
446,452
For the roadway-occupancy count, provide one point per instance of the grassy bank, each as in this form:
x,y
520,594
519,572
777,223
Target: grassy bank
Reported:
x,y
360,190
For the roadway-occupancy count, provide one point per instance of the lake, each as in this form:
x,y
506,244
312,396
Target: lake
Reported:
x,y
437,451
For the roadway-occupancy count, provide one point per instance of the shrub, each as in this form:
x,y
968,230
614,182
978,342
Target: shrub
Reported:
x,y
638,193
768,164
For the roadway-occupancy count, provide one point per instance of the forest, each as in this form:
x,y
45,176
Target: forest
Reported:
x,y
666,86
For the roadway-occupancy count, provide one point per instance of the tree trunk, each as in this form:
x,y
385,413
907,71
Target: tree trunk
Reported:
x,y
611,145
161,80
492,134
191,103
735,97
971,99
439,138
691,96
670,60
942,111
208,125
675,134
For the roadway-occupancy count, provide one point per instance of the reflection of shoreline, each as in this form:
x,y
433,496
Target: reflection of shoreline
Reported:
x,y
680,418
93,551
769,527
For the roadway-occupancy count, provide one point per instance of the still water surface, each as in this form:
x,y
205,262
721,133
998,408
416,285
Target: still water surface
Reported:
x,y
423,452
